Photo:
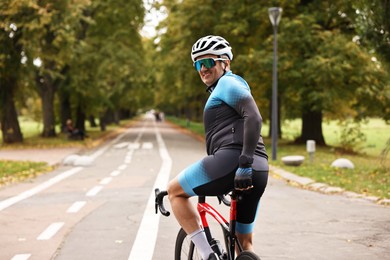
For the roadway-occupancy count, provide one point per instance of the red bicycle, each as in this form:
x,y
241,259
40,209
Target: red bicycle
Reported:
x,y
185,249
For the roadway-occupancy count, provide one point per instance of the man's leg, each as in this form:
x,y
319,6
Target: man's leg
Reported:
x,y
245,241
182,208
188,217
247,208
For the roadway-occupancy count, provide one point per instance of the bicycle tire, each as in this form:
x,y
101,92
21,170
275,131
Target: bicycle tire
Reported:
x,y
247,255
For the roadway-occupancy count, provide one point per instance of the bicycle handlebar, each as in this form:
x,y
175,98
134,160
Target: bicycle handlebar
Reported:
x,y
159,203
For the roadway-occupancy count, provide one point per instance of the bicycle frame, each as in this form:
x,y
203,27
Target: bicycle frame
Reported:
x,y
204,209
229,227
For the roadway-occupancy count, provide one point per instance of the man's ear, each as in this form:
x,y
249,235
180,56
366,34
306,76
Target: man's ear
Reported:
x,y
227,63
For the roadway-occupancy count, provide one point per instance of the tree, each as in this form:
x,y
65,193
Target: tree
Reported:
x,y
110,55
57,39
44,31
331,65
321,68
11,59
9,70
372,25
179,87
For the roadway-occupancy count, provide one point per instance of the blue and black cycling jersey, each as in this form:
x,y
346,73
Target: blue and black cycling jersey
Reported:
x,y
229,110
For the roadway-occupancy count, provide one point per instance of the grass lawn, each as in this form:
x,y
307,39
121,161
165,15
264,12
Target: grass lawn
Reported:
x,y
13,171
371,175
31,133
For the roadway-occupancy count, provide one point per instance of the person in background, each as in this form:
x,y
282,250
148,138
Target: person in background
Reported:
x,y
74,133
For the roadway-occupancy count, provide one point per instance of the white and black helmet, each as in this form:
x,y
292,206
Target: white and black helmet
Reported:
x,y
211,44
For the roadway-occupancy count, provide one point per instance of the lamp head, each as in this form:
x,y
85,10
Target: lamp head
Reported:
x,y
274,15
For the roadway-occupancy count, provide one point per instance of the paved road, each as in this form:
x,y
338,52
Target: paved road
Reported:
x,y
103,211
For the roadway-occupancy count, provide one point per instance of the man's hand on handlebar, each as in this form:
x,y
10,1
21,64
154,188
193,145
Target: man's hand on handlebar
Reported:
x,y
243,179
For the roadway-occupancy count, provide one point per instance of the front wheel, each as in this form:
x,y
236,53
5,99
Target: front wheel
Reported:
x,y
247,255
184,248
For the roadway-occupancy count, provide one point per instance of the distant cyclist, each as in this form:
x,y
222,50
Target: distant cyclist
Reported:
x,y
236,153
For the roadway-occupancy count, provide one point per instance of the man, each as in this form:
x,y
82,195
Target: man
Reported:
x,y
236,153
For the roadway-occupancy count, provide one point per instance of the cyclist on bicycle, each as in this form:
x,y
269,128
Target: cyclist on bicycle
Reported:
x,y
236,153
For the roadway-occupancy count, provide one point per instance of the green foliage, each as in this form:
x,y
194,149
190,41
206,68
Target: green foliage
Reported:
x,y
333,56
351,135
107,68
372,24
91,51
320,67
385,153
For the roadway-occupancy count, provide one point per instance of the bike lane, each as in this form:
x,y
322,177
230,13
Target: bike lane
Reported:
x,y
292,223
91,214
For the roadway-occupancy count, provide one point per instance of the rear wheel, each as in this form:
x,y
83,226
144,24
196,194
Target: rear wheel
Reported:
x,y
247,255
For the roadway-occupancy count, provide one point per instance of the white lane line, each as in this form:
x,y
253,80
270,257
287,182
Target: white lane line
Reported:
x,y
143,247
133,146
115,173
147,145
129,157
24,195
50,231
76,206
95,190
21,257
122,167
128,160
121,145
106,180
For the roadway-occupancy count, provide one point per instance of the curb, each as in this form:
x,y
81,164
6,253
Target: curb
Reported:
x,y
309,184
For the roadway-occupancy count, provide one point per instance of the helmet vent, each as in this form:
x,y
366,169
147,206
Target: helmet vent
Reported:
x,y
215,45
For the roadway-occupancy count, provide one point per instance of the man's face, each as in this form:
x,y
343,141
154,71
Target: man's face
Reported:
x,y
211,75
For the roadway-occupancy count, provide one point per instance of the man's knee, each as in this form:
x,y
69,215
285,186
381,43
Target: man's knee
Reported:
x,y
175,190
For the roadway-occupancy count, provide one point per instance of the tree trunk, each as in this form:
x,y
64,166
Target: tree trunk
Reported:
x,y
64,91
65,109
311,127
9,75
103,124
8,116
116,117
80,118
47,91
92,121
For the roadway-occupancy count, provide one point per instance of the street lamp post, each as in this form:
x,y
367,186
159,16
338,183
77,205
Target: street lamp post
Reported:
x,y
274,16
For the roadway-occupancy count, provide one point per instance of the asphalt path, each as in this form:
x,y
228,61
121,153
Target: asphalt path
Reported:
x,y
105,210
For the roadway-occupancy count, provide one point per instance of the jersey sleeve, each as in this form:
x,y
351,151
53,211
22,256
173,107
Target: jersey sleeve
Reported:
x,y
236,93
